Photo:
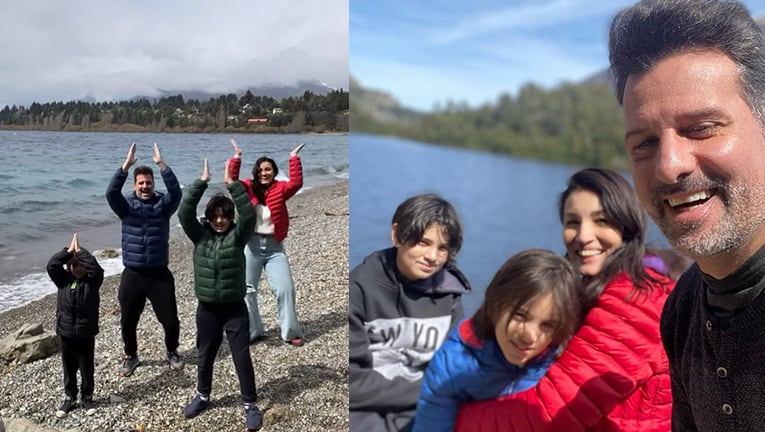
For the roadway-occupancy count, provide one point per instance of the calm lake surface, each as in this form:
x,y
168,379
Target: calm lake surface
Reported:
x,y
54,184
506,204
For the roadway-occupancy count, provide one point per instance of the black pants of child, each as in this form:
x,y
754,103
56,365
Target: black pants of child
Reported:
x,y
157,285
78,354
212,320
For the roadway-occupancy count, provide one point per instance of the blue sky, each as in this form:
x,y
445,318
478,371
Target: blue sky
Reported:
x,y
425,52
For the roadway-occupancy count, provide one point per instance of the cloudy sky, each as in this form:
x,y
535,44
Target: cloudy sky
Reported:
x,y
424,52
114,50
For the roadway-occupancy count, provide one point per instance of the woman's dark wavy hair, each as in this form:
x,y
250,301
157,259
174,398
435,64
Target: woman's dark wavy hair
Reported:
x,y
622,210
523,278
646,33
413,217
257,188
219,201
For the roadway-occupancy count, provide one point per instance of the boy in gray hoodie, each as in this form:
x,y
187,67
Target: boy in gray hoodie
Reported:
x,y
404,300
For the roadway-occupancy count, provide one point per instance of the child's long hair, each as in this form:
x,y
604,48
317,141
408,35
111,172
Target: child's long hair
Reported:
x,y
523,278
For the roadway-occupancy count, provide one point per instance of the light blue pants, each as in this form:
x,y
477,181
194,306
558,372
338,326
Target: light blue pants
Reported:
x,y
264,252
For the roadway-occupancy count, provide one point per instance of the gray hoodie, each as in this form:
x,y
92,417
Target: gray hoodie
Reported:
x,y
395,327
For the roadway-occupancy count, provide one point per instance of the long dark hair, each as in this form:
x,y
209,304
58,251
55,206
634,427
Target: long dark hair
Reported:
x,y
622,210
257,188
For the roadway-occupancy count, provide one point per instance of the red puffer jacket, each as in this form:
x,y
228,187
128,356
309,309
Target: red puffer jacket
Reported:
x,y
612,376
276,195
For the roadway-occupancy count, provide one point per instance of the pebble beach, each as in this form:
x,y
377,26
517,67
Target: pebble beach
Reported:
x,y
299,388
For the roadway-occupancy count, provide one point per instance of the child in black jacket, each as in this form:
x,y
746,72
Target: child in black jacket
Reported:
x,y
78,277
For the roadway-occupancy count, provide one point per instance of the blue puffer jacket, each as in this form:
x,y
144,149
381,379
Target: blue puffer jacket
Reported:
x,y
145,224
467,369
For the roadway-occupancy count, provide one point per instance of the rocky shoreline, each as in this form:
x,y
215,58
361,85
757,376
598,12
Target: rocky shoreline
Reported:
x,y
299,388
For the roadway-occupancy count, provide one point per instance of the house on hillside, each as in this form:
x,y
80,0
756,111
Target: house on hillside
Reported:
x,y
277,111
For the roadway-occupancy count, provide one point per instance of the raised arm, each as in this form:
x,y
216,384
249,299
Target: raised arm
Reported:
x,y
296,173
93,271
187,213
114,197
235,163
246,211
55,268
172,199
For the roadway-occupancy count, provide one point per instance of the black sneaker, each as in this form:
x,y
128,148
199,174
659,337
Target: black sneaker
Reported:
x,y
88,405
129,363
68,405
175,361
252,418
196,406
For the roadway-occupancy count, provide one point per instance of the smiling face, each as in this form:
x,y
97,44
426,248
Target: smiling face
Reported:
x,y
220,222
265,173
424,258
527,332
697,158
144,186
587,234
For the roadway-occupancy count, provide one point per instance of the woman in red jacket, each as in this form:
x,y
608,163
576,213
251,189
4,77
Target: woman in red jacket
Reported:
x,y
613,374
265,250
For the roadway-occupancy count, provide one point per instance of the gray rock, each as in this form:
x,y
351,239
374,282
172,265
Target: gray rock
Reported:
x,y
23,425
29,343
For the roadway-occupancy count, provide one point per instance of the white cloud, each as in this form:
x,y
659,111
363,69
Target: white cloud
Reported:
x,y
115,50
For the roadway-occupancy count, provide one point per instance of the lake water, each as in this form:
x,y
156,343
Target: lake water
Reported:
x,y
506,204
54,184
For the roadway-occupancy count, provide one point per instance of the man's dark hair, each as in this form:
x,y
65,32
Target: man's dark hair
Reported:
x,y
651,30
219,201
144,170
415,215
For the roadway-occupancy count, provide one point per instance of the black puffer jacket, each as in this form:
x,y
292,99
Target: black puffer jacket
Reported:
x,y
78,299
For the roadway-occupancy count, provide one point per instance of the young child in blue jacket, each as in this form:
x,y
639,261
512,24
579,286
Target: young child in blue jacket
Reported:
x,y
78,277
531,307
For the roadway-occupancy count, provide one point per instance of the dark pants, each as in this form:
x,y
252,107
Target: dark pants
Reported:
x,y
212,320
78,354
158,285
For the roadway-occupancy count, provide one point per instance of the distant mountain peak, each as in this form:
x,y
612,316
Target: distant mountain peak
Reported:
x,y
275,90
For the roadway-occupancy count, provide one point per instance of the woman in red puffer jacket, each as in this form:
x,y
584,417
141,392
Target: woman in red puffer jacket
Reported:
x,y
613,374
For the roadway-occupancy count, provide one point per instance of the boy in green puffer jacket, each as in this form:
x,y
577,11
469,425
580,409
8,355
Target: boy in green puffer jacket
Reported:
x,y
220,288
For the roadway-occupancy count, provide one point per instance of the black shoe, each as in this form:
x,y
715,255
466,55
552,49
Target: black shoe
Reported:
x,y
252,418
88,405
196,406
129,363
68,405
175,361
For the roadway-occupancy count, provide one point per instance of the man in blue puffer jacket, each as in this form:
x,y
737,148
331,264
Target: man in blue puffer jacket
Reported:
x,y
145,216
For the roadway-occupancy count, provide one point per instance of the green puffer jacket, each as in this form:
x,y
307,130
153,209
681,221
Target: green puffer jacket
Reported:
x,y
218,258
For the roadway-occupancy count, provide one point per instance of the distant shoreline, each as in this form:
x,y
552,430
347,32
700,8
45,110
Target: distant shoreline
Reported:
x,y
127,127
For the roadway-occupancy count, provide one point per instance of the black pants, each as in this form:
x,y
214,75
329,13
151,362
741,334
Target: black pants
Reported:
x,y
158,285
78,354
212,320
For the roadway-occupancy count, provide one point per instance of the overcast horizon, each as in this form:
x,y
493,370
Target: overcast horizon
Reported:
x,y
114,51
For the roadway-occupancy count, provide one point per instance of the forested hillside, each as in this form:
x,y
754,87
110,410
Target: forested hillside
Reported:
x,y
229,113
574,123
